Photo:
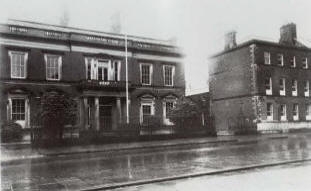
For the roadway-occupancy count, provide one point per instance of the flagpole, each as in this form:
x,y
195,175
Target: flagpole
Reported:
x,y
127,84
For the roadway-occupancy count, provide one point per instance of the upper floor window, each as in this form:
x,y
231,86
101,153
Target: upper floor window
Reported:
x,y
102,69
267,58
280,60
168,75
283,112
306,88
268,86
305,63
18,64
53,65
269,111
282,87
295,112
146,74
293,61
294,87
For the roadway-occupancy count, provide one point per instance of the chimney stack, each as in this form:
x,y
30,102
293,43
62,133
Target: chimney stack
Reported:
x,y
288,34
230,41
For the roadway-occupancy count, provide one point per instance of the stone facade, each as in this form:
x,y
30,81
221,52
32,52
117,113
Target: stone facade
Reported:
x,y
91,70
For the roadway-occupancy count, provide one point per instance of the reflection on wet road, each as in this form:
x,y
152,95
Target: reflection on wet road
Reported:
x,y
109,168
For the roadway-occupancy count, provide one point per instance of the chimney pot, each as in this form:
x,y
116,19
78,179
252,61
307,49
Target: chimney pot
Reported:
x,y
230,40
288,34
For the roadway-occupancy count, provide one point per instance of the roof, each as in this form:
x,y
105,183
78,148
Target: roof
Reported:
x,y
64,29
299,46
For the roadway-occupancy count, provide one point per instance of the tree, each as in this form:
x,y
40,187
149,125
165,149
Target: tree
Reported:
x,y
57,110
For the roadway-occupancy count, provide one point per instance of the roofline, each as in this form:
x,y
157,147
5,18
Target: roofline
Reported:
x,y
258,41
87,31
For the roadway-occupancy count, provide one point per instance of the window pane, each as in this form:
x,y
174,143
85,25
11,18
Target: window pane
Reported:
x,y
18,109
52,66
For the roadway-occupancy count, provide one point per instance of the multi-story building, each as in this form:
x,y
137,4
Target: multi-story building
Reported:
x,y
89,66
260,85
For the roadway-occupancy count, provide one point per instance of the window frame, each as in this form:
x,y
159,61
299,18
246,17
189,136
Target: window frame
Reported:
x,y
172,75
268,91
295,117
308,111
304,62
25,57
59,66
267,57
284,116
16,113
294,84
280,59
306,87
269,116
292,62
146,102
150,73
283,90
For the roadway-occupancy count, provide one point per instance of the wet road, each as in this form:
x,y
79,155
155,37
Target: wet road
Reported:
x,y
292,177
87,170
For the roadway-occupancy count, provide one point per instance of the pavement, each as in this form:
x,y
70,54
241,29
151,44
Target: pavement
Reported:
x,y
21,151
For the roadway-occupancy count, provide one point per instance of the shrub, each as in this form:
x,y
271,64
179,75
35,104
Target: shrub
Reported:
x,y
11,131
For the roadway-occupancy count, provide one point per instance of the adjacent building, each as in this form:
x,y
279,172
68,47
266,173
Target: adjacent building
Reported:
x,y
260,85
89,66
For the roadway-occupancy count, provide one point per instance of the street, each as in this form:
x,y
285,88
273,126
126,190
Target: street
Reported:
x,y
286,178
75,172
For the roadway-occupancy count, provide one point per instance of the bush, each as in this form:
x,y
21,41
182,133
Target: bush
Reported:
x,y
11,131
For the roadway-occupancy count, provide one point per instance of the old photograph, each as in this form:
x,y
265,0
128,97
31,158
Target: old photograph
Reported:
x,y
155,95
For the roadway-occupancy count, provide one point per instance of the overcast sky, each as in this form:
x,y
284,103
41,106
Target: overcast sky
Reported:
x,y
199,25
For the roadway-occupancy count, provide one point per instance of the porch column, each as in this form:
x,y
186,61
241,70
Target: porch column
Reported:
x,y
97,113
118,102
27,113
81,113
84,114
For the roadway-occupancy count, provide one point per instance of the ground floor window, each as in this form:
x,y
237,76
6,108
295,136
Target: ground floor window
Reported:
x,y
283,112
18,109
269,111
168,107
147,110
308,112
295,112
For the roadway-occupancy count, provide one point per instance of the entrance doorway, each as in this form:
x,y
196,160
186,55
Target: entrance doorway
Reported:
x,y
105,117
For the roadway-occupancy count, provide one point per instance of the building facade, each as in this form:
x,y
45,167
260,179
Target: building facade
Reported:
x,y
260,85
90,67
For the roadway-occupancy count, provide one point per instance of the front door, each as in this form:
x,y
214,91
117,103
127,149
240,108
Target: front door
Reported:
x,y
105,117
